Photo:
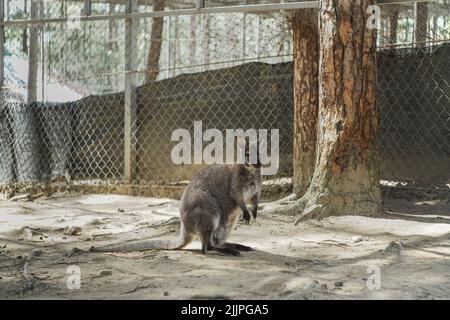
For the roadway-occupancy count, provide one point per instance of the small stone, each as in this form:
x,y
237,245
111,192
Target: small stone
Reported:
x,y
64,238
72,231
339,283
20,197
357,239
67,176
323,286
36,196
74,252
104,273
18,257
35,253
121,210
166,293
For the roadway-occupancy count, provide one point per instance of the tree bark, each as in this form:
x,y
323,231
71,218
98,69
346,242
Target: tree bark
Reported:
x,y
154,51
110,45
306,96
346,178
206,22
435,27
393,26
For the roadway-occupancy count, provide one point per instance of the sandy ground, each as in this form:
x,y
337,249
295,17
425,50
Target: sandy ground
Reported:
x,y
404,254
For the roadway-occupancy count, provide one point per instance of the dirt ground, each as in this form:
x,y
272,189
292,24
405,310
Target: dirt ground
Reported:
x,y
404,254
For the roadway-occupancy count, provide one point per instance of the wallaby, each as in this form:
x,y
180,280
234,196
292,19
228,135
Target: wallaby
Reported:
x,y
210,207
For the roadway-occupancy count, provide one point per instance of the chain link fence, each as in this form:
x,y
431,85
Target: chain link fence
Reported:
x,y
94,101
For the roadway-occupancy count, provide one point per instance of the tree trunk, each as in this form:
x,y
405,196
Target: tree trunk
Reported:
x,y
154,51
435,27
6,158
193,39
306,96
421,23
346,178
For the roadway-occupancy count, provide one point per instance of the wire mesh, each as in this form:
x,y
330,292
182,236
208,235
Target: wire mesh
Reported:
x,y
414,92
228,70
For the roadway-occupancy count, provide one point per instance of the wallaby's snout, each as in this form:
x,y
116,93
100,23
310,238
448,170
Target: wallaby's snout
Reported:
x,y
211,205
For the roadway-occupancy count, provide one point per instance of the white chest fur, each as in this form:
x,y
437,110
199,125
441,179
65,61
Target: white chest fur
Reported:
x,y
233,217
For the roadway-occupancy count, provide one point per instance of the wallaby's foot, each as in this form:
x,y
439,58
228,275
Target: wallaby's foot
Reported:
x,y
74,252
237,246
226,251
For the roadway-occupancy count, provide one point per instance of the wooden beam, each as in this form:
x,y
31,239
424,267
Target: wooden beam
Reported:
x,y
421,22
33,53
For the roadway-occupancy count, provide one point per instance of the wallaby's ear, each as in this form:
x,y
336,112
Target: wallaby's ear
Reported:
x,y
240,142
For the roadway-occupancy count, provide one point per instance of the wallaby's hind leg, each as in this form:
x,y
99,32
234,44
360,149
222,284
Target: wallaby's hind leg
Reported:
x,y
226,251
205,238
246,214
220,237
223,250
185,236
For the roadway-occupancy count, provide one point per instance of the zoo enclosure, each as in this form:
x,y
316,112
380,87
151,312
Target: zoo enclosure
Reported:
x,y
92,90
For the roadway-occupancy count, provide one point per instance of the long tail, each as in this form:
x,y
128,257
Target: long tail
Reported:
x,y
183,240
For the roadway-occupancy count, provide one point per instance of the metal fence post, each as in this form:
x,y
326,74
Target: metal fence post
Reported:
x,y
130,116
2,45
87,7
33,53
200,4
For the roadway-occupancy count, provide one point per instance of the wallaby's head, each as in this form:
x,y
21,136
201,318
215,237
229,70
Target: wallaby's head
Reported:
x,y
250,148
